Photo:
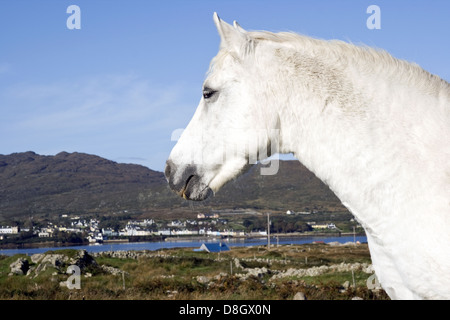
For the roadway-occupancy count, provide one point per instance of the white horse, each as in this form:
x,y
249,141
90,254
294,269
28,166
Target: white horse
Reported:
x,y
375,129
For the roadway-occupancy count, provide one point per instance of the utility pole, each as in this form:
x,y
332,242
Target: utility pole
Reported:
x,y
268,231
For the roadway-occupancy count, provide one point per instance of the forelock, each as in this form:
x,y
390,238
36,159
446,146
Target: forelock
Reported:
x,y
218,61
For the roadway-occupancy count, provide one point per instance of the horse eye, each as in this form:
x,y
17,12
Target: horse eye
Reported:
x,y
208,93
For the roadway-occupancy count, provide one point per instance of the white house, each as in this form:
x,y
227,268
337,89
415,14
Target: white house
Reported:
x,y
322,226
108,232
184,232
43,234
166,232
9,230
131,230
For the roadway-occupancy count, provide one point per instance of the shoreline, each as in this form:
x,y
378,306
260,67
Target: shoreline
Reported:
x,y
43,244
272,235
46,244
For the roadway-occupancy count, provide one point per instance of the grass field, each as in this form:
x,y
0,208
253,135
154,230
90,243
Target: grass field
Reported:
x,y
257,274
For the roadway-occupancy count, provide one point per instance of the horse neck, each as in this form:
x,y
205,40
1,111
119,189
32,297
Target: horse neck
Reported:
x,y
356,139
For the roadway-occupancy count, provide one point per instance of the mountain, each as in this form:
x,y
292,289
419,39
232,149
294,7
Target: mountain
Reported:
x,y
77,183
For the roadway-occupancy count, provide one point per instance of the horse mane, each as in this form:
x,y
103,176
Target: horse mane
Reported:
x,y
369,60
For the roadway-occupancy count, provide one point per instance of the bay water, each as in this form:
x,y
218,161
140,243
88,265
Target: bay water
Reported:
x,y
194,243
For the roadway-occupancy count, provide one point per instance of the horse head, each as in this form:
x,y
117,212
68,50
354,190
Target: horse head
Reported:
x,y
232,128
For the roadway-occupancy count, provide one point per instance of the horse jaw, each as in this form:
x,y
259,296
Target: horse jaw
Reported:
x,y
228,171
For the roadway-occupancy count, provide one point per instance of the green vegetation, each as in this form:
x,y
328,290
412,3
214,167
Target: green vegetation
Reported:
x,y
184,274
60,238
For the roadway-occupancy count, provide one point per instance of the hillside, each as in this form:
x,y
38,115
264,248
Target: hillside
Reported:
x,y
76,183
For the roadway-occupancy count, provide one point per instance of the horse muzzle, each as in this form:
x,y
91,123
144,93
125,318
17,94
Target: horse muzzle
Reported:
x,y
186,182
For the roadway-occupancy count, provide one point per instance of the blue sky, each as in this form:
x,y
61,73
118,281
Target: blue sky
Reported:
x,y
132,74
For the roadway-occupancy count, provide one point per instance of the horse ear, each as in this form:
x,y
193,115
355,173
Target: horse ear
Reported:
x,y
238,27
231,37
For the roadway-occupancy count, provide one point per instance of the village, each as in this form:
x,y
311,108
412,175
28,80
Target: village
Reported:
x,y
204,225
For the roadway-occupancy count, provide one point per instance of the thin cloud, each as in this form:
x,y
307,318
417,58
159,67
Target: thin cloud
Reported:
x,y
99,102
110,115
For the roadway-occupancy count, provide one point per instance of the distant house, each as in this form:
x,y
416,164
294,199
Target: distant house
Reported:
x,y
165,232
322,226
184,232
9,230
207,216
213,247
109,232
43,234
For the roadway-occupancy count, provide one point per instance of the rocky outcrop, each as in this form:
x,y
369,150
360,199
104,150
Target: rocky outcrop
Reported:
x,y
60,262
122,254
112,270
203,279
292,272
254,272
35,258
83,260
43,261
317,271
19,267
55,260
